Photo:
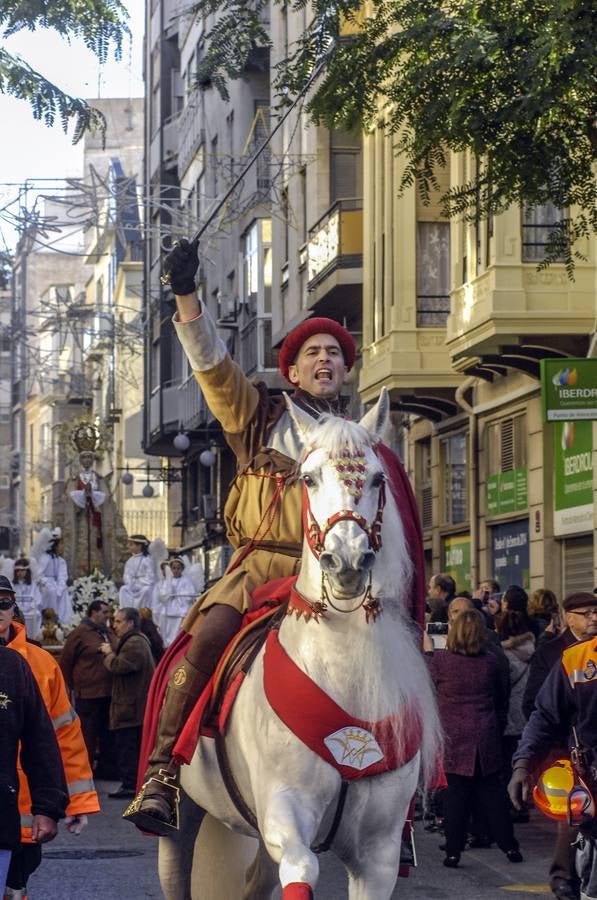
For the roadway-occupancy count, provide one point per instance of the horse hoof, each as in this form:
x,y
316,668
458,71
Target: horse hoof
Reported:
x,y
298,890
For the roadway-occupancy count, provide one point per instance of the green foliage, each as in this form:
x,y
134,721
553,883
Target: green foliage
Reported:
x,y
512,81
98,23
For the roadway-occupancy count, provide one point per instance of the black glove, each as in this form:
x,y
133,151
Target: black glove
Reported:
x,y
181,266
520,785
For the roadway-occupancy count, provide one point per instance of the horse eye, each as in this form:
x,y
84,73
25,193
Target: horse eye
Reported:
x,y
308,480
378,479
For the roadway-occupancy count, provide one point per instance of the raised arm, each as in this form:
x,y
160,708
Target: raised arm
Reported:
x,y
228,392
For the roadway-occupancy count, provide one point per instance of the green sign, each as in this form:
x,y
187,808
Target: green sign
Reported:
x,y
573,477
568,389
507,492
457,560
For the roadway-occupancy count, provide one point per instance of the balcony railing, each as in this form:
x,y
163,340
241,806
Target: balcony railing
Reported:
x,y
432,310
171,131
336,240
256,352
175,405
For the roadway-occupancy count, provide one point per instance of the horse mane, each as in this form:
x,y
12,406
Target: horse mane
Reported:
x,y
396,648
336,435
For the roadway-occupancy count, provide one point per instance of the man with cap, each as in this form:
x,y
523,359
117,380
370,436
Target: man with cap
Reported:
x,y
263,508
567,698
67,727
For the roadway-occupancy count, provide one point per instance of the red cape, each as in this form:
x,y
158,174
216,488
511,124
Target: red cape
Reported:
x,y
407,507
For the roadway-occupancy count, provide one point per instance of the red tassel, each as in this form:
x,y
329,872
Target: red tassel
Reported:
x,y
298,890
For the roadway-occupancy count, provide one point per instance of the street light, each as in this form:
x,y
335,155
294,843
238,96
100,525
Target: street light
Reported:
x,y
207,458
182,442
166,474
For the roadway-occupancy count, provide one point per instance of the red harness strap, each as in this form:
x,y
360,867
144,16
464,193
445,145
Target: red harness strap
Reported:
x,y
343,741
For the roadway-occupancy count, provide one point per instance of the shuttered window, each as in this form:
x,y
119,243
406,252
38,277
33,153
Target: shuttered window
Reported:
x,y
346,165
577,565
423,482
506,444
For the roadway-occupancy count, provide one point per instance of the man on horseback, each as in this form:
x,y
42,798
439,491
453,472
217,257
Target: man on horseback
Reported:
x,y
263,509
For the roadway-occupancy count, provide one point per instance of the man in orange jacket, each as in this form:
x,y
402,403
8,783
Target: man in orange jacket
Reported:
x,y
83,797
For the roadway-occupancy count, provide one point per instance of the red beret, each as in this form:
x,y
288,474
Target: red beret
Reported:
x,y
297,337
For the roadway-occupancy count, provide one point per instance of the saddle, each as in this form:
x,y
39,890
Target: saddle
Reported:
x,y
211,711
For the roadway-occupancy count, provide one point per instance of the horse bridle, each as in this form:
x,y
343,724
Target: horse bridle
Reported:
x,y
316,536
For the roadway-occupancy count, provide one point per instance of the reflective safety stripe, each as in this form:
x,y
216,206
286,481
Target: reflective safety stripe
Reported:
x,y
78,787
26,820
15,893
554,792
580,676
65,719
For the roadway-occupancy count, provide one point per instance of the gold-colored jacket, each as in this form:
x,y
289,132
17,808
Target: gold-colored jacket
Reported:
x,y
264,501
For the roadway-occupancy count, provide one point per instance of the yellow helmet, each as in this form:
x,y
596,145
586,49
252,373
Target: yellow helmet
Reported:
x,y
552,789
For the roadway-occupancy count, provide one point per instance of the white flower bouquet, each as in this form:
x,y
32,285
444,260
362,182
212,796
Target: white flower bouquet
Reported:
x,y
84,590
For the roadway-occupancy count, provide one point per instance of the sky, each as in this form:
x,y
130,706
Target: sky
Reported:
x,y
31,150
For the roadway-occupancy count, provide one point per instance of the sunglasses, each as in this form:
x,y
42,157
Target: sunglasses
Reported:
x,y
5,603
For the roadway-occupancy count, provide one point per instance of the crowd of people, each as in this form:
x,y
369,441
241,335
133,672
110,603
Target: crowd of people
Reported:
x,y
77,711
490,654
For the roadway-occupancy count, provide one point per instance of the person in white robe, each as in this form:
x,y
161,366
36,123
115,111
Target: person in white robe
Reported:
x,y
139,575
28,595
52,573
174,596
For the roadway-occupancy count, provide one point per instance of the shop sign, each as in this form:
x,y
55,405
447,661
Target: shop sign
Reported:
x,y
507,492
568,389
457,559
510,553
573,477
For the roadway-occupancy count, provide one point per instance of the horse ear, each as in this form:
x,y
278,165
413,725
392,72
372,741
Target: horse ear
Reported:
x,y
303,421
377,419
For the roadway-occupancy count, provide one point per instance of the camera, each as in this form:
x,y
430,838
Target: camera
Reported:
x,y
437,628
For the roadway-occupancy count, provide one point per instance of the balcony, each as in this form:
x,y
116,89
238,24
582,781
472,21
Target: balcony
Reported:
x,y
173,406
190,134
335,258
170,139
511,316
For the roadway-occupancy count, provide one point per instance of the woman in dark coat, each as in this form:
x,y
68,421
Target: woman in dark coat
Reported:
x,y
472,708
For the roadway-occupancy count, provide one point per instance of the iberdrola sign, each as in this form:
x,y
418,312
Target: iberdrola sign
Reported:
x,y
568,389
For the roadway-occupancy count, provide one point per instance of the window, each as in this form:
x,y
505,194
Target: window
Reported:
x,y
230,142
200,192
260,135
423,482
506,445
256,290
538,222
251,268
453,468
433,273
214,163
346,166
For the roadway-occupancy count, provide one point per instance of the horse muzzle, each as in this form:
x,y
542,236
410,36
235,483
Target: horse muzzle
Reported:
x,y
347,579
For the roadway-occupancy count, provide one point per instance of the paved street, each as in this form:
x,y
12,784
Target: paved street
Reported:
x,y
112,860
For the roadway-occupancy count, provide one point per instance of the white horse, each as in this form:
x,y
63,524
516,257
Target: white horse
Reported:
x,y
350,635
